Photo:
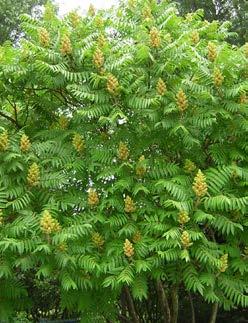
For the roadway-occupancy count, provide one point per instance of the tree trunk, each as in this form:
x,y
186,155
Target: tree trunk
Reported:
x,y
130,306
123,319
192,309
174,303
214,313
164,304
123,309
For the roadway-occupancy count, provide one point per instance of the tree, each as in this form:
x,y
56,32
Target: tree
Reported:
x,y
123,163
234,11
10,12
239,20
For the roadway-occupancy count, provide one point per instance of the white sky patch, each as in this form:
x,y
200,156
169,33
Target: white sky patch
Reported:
x,y
66,6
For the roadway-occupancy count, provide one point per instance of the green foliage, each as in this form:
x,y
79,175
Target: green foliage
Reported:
x,y
10,16
51,89
234,11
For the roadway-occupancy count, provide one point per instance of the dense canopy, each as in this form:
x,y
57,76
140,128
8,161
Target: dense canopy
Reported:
x,y
123,162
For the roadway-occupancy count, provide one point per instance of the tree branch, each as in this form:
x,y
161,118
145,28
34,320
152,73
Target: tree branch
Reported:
x,y
14,107
10,119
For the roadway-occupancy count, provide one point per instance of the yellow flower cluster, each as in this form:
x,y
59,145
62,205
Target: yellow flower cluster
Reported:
x,y
49,225
63,122
185,240
44,37
128,248
140,168
25,143
98,58
74,18
131,4
62,247
123,151
246,49
189,166
212,51
129,205
93,198
195,37
136,237
101,41
99,21
4,140
189,16
65,47
91,10
49,12
155,39
200,186
147,13
97,239
161,87
224,263
183,217
78,142
112,84
243,98
218,77
33,177
182,101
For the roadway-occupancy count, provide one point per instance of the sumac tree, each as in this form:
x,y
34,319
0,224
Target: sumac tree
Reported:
x,y
123,162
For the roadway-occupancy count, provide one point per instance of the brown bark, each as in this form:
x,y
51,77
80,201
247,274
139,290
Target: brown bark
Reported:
x,y
164,304
214,313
